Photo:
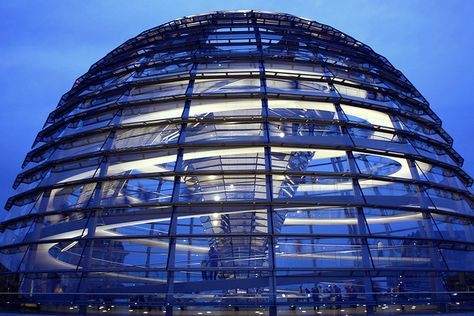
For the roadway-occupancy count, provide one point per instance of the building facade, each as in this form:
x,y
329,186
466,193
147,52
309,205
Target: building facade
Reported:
x,y
240,160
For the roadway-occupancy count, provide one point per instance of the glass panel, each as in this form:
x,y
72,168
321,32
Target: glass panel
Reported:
x,y
224,159
432,152
109,290
352,75
371,134
227,85
88,123
450,201
11,258
225,108
306,159
371,117
224,132
309,187
316,221
439,175
351,91
222,220
287,132
57,226
231,287
156,91
141,163
462,260
73,171
300,288
387,222
79,146
134,222
146,136
33,159
302,109
222,188
292,252
69,197
231,50
228,67
413,288
121,254
39,287
221,252
420,129
29,180
28,204
298,87
160,71
137,191
382,165
55,256
459,282
454,228
15,233
294,69
151,112
392,253
102,100
392,193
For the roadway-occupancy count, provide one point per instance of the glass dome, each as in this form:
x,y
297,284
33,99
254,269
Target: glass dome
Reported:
x,y
240,160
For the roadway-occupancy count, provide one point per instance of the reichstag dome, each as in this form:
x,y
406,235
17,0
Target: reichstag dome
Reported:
x,y
240,162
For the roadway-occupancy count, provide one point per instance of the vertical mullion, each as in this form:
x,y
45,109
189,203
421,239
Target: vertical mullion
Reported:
x,y
175,196
268,177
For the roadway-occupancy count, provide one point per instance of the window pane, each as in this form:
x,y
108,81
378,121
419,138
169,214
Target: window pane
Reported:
x,y
454,228
146,136
222,188
307,133
298,87
221,252
371,117
392,193
439,175
318,253
141,163
225,108
233,67
392,253
308,187
222,220
305,159
137,191
160,71
224,132
451,201
151,112
458,259
88,144
302,109
122,254
156,91
227,85
316,220
387,222
69,197
224,159
134,222
382,165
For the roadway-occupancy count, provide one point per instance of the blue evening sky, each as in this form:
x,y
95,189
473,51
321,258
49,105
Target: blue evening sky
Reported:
x,y
45,45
